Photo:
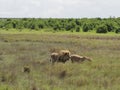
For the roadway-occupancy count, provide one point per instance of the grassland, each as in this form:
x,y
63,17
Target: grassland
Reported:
x,y
33,50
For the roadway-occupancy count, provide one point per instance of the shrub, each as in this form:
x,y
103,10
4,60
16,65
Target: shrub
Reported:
x,y
78,29
68,27
101,29
26,69
117,30
110,27
87,27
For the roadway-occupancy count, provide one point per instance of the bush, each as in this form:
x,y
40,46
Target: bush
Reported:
x,y
78,29
85,28
110,27
117,30
68,27
55,28
102,29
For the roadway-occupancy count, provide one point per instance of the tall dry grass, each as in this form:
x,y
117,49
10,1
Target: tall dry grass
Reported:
x,y
33,50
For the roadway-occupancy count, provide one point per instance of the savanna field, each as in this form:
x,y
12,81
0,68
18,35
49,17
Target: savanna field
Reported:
x,y
33,50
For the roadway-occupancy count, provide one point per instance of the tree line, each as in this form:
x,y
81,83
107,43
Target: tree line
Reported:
x,y
98,25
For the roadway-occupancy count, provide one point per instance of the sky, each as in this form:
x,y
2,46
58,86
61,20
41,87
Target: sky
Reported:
x,y
59,8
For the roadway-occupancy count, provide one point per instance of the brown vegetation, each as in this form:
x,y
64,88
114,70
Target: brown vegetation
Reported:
x,y
32,50
26,69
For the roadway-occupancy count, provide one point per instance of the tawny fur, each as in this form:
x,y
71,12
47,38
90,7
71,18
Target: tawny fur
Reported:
x,y
61,56
64,55
78,58
54,57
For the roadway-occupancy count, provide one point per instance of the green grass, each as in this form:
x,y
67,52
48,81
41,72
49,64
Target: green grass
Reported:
x,y
33,49
48,30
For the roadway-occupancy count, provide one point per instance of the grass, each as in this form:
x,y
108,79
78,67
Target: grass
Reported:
x,y
49,30
33,50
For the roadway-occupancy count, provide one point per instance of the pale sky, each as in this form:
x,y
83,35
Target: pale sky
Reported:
x,y
59,8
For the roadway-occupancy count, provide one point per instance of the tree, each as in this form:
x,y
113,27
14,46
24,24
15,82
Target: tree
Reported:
x,y
102,29
77,22
78,29
19,24
117,30
110,27
14,24
40,26
86,28
8,25
68,27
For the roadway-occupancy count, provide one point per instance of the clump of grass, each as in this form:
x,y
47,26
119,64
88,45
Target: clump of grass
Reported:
x,y
3,78
62,74
1,58
1,53
26,69
9,77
